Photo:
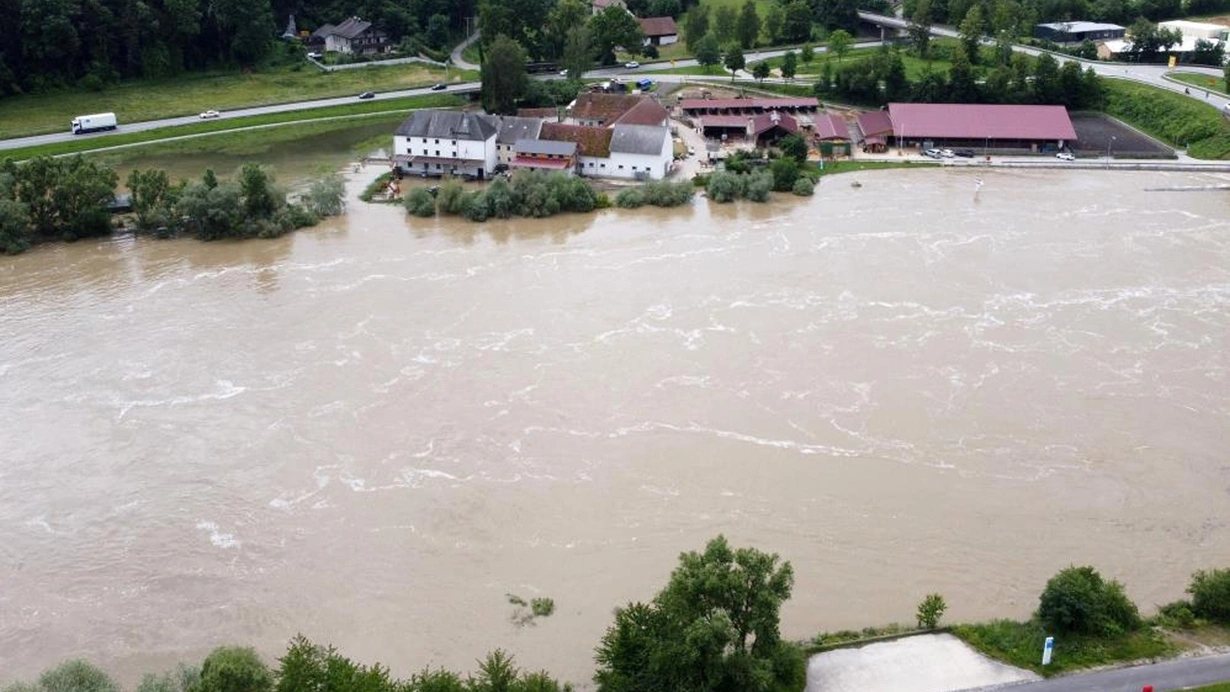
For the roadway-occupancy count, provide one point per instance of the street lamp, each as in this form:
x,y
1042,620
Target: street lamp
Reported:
x,y
1109,144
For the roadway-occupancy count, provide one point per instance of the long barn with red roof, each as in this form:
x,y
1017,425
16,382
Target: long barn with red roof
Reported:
x,y
970,125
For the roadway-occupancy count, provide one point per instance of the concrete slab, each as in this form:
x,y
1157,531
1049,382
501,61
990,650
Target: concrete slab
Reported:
x,y
925,663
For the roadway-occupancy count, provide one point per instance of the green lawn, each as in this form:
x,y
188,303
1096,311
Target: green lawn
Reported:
x,y
193,93
837,167
1219,687
393,108
1216,85
1173,118
1020,644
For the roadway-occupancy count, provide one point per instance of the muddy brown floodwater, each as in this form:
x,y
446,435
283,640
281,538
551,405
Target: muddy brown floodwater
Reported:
x,y
372,431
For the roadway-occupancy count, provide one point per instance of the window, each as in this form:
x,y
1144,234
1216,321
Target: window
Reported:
x,y
437,166
424,152
437,152
437,141
621,166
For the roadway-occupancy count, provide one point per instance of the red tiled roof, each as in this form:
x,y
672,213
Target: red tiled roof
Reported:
x,y
767,121
658,26
875,123
604,108
548,113
591,140
754,104
831,127
978,121
647,112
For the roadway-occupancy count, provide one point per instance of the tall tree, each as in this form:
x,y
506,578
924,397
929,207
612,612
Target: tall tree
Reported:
x,y
563,18
1046,87
790,64
725,19
972,29
962,87
503,75
734,60
774,20
761,70
920,27
708,53
840,43
715,626
748,29
696,25
797,25
614,27
578,52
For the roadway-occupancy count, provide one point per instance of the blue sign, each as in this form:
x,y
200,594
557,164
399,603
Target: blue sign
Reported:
x,y
1046,650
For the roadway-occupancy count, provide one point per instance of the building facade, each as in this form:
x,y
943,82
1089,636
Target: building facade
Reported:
x,y
435,143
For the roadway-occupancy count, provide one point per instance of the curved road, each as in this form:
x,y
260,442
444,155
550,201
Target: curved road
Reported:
x,y
1148,74
1179,674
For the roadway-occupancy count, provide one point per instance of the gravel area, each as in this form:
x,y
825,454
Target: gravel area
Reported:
x,y
926,663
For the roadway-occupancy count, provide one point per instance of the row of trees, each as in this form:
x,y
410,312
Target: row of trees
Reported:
x,y
55,43
882,78
1078,600
529,194
69,199
563,30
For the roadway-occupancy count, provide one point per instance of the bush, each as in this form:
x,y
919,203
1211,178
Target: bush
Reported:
x,y
234,669
803,187
326,196
184,679
542,607
725,187
76,676
451,198
759,185
1176,614
931,610
630,198
419,202
1077,599
1210,592
785,172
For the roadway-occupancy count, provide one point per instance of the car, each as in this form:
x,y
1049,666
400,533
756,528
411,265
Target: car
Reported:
x,y
367,95
439,87
632,65
316,56
500,167
965,153
933,154
210,114
691,151
1065,156
947,153
563,73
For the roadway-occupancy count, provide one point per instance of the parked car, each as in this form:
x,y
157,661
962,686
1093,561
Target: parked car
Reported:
x,y
367,95
965,153
316,56
439,87
933,154
1065,156
210,114
632,65
947,153
500,167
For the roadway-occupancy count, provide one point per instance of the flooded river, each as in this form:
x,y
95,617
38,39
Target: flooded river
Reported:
x,y
372,431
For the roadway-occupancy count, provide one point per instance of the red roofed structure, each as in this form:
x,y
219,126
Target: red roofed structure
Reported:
x,y
659,31
695,107
971,124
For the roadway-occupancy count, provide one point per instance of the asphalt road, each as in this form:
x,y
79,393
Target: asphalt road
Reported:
x,y
1178,674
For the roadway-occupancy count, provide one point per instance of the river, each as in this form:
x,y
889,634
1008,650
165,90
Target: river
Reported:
x,y
370,432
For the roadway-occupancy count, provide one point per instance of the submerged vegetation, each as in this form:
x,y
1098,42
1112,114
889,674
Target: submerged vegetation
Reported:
x,y
529,194
657,193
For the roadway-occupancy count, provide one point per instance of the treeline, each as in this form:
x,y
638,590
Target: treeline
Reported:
x,y
70,198
530,194
90,43
1002,77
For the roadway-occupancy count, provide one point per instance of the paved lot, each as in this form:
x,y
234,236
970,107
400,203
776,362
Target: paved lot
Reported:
x,y
926,663
1094,132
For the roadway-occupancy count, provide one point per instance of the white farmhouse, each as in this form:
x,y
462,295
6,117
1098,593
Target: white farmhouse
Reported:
x,y
437,143
640,152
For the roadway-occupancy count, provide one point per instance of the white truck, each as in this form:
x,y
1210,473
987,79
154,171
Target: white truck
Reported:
x,y
94,123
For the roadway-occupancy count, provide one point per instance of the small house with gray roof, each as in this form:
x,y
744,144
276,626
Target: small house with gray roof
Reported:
x,y
511,129
353,36
436,143
640,152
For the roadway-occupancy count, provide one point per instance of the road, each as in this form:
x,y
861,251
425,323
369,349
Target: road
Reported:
x,y
1148,74
1179,674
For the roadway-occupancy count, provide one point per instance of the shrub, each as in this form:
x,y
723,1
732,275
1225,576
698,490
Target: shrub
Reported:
x,y
1077,599
662,193
451,199
419,202
1176,614
542,607
474,206
785,172
76,676
931,610
234,669
759,185
725,187
1210,592
630,198
326,196
803,187
183,679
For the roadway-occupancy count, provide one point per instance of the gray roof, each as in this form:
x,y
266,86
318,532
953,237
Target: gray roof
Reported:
x,y
352,28
324,30
545,146
447,125
1081,27
513,128
638,139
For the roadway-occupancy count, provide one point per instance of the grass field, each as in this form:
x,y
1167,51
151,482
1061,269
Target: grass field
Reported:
x,y
137,101
1216,85
1176,119
1020,644
394,109
1219,687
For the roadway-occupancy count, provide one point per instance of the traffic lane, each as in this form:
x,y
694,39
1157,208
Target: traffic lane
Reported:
x,y
1177,674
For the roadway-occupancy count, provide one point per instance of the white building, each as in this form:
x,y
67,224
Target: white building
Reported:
x,y
1197,30
510,129
640,152
437,143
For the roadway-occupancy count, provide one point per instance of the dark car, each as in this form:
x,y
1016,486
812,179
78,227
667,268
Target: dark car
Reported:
x,y
439,87
367,95
965,153
500,167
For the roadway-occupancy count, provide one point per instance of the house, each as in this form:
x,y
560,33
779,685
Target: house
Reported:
x,y
600,5
876,127
1197,30
353,36
604,110
511,129
832,134
640,152
967,124
1076,32
659,31
545,155
593,145
439,142
646,112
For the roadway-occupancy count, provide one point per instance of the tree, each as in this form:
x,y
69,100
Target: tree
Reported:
x,y
715,624
14,227
733,59
1078,600
503,75
1046,87
793,146
761,70
807,53
840,42
326,195
76,676
578,54
962,86
725,20
1210,592
1208,53
797,24
920,27
930,610
785,172
708,53
696,25
614,27
790,64
748,28
563,19
152,197
235,669
971,33
774,19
